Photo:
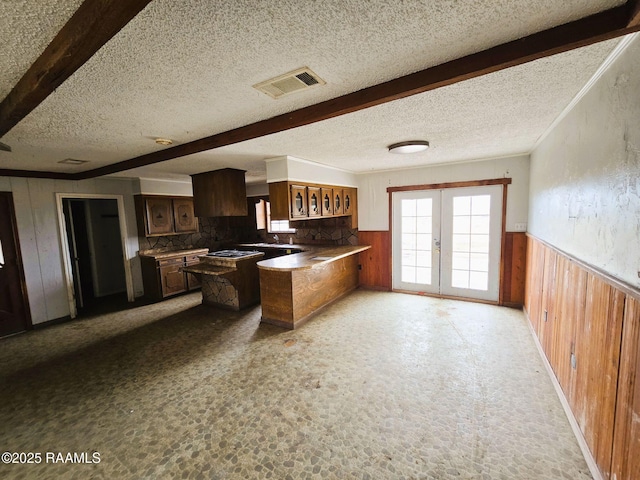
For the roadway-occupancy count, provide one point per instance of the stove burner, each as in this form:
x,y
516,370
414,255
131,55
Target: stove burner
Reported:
x,y
232,253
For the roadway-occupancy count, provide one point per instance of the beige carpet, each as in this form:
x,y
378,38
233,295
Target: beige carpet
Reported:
x,y
380,385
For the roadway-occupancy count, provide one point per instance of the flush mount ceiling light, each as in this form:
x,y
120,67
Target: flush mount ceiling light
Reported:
x,y
412,146
163,141
73,161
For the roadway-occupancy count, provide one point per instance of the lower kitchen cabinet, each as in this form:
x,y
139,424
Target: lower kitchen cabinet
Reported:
x,y
162,273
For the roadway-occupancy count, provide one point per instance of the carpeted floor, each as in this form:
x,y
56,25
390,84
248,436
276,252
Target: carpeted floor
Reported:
x,y
378,386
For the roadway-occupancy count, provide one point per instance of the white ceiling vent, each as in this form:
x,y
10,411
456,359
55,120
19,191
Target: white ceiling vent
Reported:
x,y
290,82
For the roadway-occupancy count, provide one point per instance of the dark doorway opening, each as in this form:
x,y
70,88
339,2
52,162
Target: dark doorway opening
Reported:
x,y
95,250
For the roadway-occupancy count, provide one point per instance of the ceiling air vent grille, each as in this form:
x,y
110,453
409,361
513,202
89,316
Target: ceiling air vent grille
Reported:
x,y
295,81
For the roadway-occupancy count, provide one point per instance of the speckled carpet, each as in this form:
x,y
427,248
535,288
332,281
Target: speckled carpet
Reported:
x,y
378,386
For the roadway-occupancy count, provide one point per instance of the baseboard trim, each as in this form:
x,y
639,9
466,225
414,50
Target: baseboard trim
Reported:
x,y
588,456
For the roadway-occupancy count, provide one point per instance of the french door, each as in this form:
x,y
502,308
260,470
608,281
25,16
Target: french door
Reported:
x,y
447,242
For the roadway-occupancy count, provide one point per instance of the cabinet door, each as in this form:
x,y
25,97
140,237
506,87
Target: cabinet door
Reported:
x,y
193,281
172,278
348,200
313,195
159,216
327,201
183,217
338,201
298,201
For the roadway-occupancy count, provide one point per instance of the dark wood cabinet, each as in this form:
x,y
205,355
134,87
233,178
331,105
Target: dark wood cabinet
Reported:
x,y
158,216
164,215
220,193
193,281
326,203
338,201
171,277
313,196
184,219
298,201
348,201
162,274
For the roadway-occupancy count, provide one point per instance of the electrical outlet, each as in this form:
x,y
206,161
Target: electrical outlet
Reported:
x,y
520,227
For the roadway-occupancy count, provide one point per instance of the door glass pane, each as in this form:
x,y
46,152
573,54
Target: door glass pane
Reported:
x,y
461,206
423,275
478,280
408,208
416,251
481,204
409,274
470,243
462,224
423,258
460,260
460,278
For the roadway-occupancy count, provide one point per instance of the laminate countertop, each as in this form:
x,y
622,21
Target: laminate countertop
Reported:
x,y
312,256
175,253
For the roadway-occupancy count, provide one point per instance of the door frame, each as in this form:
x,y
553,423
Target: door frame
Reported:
x,y
66,257
442,186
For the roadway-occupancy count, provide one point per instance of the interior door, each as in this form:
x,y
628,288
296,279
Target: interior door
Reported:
x,y
14,310
448,241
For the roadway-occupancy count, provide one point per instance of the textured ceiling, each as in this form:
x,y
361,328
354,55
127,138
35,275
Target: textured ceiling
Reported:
x,y
184,70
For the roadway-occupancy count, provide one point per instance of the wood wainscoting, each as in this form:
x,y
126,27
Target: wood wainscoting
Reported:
x,y
588,325
376,264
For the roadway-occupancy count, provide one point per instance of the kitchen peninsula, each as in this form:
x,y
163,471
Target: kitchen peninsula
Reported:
x,y
295,287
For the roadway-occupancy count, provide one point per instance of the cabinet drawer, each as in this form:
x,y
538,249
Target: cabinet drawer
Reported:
x,y
190,259
171,261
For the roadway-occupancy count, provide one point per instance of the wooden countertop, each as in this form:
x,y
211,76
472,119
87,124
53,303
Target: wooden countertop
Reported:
x,y
176,253
311,257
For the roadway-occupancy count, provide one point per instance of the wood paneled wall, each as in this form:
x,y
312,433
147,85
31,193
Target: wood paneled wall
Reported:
x,y
514,269
588,325
376,262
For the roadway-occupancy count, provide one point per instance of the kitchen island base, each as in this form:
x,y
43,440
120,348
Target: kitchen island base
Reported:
x,y
291,297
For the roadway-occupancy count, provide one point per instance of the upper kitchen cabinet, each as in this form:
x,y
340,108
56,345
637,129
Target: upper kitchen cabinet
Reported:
x,y
313,195
220,193
303,201
163,215
184,219
298,202
326,194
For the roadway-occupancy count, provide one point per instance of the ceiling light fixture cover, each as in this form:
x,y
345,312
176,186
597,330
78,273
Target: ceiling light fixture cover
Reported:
x,y
412,146
73,161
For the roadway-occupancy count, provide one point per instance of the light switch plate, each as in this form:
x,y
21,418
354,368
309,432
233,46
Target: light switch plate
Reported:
x,y
520,227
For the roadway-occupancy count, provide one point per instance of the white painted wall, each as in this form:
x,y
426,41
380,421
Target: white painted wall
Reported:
x,y
153,186
373,199
35,206
297,170
585,175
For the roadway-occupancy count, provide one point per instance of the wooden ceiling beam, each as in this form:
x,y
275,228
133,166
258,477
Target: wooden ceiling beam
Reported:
x,y
586,31
634,13
579,33
91,26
